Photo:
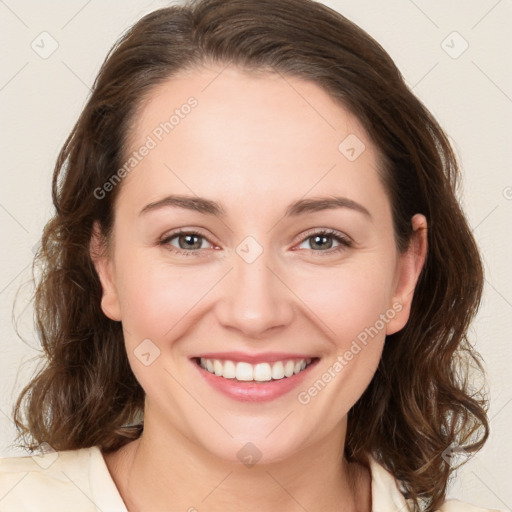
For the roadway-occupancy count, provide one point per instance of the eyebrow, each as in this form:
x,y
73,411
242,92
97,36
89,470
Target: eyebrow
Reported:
x,y
209,207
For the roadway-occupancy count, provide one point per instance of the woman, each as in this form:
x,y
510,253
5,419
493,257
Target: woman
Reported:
x,y
256,288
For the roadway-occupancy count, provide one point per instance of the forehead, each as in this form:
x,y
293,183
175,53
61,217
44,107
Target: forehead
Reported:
x,y
223,132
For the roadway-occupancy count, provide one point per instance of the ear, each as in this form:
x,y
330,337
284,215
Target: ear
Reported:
x,y
105,270
408,271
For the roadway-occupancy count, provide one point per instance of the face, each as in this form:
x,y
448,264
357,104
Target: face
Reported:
x,y
248,269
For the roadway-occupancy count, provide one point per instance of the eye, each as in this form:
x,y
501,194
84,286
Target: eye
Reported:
x,y
187,242
191,242
322,241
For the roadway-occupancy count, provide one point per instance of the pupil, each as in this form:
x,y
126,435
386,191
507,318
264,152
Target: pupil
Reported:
x,y
319,240
323,238
189,241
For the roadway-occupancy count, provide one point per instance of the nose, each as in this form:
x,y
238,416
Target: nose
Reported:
x,y
255,298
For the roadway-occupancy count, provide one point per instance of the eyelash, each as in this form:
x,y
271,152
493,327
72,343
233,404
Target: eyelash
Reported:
x,y
345,243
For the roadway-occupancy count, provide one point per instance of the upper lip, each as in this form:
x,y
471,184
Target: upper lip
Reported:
x,y
264,357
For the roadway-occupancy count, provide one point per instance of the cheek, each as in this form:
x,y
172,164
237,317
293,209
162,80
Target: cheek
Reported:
x,y
155,296
348,299
158,304
343,300
352,306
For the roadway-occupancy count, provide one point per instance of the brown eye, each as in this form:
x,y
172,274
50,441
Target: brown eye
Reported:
x,y
189,241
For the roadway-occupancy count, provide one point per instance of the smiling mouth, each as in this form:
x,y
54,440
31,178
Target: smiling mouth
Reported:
x,y
261,372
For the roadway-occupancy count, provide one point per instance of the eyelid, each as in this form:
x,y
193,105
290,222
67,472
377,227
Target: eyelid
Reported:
x,y
324,231
166,238
183,231
345,241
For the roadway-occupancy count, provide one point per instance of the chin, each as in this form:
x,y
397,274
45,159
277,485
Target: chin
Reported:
x,y
264,445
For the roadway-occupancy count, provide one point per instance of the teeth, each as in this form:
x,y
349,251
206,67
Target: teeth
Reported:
x,y
261,372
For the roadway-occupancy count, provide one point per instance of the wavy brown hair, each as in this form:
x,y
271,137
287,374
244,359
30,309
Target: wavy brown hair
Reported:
x,y
421,399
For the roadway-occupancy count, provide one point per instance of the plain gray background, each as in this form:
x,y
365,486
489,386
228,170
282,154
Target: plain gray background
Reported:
x,y
456,57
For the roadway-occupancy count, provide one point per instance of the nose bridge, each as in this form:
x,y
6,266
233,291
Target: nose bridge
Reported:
x,y
255,300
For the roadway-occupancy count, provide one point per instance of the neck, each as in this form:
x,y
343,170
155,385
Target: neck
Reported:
x,y
157,472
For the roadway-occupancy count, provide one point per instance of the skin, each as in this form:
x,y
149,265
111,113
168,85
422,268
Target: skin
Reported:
x,y
255,144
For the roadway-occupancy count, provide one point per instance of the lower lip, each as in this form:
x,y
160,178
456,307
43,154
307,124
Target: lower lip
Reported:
x,y
254,391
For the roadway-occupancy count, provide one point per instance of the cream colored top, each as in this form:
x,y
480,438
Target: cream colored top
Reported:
x,y
79,481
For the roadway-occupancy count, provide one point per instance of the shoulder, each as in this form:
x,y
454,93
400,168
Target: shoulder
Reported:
x,y
386,495
53,481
